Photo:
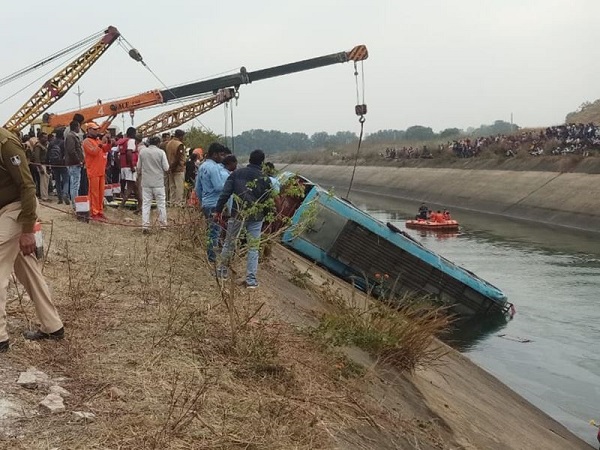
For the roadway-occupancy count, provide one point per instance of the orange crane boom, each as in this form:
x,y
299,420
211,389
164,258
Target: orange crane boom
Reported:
x,y
57,86
157,97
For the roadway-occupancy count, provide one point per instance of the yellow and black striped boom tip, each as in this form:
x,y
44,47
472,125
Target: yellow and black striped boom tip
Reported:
x,y
358,53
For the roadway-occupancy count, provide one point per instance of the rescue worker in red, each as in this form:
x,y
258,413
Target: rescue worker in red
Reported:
x,y
17,241
95,153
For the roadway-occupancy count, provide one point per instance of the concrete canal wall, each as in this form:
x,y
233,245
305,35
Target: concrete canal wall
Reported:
x,y
565,199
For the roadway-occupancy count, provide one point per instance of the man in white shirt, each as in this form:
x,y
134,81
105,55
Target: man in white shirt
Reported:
x,y
151,165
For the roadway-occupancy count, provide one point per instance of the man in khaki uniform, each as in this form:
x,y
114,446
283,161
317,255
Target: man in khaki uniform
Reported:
x,y
17,241
176,156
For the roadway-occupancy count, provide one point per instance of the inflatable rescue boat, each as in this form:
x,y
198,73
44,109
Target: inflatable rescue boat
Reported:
x,y
420,224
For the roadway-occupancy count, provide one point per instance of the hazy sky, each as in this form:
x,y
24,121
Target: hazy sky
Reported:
x,y
432,62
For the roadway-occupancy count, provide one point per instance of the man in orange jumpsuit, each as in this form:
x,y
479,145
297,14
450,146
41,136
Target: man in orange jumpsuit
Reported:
x,y
95,153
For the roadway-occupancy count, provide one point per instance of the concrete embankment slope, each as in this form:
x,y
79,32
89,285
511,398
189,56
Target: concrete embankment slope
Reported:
x,y
565,199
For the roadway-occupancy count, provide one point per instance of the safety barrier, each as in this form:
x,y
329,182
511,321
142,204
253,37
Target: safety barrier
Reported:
x,y
108,192
82,208
116,189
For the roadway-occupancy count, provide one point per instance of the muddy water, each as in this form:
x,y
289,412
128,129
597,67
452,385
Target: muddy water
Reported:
x,y
553,278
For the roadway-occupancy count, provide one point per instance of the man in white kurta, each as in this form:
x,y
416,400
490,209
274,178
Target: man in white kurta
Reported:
x,y
152,165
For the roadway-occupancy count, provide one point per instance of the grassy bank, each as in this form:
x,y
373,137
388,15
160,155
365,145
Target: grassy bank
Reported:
x,y
490,159
166,357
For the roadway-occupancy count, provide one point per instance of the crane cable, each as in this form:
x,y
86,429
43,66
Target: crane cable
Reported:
x,y
226,116
65,51
44,75
229,107
136,55
360,109
39,64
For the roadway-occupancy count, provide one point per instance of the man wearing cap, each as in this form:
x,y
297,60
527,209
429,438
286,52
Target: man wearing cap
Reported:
x,y
176,156
96,153
17,241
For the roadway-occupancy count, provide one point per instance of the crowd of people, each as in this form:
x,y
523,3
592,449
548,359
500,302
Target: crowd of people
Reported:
x,y
79,161
577,139
409,152
82,160
570,139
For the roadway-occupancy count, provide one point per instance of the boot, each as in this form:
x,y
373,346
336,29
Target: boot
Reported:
x,y
39,335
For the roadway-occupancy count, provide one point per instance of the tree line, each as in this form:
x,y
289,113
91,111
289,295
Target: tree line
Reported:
x,y
273,141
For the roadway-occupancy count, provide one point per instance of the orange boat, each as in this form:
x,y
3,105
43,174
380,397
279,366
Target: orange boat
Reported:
x,y
420,224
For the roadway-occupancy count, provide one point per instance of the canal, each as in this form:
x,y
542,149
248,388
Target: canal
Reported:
x,y
549,352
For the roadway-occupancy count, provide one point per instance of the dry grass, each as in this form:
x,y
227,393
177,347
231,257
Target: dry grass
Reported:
x,y
399,332
200,364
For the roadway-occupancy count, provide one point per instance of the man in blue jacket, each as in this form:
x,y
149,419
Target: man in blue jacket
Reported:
x,y
250,189
209,185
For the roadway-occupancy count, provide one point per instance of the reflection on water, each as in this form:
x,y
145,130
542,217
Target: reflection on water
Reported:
x,y
548,353
466,334
436,234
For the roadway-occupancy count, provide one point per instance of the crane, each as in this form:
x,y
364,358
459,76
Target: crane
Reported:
x,y
57,86
178,116
157,97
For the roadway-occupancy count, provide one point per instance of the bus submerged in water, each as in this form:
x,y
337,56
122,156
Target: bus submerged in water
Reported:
x,y
361,249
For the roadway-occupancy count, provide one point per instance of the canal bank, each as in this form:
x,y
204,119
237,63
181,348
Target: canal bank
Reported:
x,y
552,275
554,198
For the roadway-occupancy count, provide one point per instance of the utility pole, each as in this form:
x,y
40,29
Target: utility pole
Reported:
x,y
511,123
79,93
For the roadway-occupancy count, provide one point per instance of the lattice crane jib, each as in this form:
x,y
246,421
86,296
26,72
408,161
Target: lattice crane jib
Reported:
x,y
177,117
57,86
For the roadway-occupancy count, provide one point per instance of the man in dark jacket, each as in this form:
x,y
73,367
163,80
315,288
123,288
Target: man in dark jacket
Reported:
x,y
56,159
250,188
40,159
74,158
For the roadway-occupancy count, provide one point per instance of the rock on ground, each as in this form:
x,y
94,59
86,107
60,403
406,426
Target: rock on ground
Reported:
x,y
27,380
80,416
56,389
53,403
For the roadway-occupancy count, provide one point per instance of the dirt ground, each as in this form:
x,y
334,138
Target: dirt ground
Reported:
x,y
167,358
